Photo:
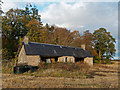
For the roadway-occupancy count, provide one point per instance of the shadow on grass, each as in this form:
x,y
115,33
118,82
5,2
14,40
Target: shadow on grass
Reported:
x,y
92,74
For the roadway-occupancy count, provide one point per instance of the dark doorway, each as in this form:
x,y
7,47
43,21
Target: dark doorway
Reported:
x,y
65,59
79,60
44,58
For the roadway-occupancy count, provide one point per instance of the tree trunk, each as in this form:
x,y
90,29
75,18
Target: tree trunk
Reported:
x,y
99,54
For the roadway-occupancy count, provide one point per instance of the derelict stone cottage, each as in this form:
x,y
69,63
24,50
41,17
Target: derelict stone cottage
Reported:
x,y
32,53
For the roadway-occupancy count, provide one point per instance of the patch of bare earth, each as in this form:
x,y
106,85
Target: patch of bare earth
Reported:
x,y
100,76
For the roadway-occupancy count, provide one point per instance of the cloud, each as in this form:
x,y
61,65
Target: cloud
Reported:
x,y
61,14
82,15
6,6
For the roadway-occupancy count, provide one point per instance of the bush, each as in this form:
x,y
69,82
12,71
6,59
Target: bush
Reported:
x,y
63,69
7,67
97,58
15,60
106,61
43,65
97,61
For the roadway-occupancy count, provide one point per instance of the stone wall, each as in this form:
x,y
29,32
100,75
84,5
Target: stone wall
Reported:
x,y
28,59
69,59
33,60
22,56
89,60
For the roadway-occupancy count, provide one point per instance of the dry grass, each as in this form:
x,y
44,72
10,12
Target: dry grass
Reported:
x,y
7,67
65,76
62,70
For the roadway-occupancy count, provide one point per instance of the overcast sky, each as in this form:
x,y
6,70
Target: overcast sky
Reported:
x,y
76,15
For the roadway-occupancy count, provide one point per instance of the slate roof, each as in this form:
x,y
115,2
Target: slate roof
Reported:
x,y
49,50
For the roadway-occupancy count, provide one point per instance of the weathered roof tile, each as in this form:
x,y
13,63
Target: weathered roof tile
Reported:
x,y
49,50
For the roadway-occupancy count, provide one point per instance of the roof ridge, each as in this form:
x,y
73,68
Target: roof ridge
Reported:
x,y
47,50
54,45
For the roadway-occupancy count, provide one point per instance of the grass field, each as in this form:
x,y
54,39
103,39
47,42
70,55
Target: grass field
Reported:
x,y
65,76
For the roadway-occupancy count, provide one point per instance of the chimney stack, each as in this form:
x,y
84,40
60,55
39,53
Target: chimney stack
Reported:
x,y
26,39
83,46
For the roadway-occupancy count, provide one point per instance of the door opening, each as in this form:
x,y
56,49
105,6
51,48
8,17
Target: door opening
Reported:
x,y
65,59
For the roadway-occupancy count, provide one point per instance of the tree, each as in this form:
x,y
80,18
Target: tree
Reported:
x,y
61,36
36,31
1,11
104,43
14,27
87,39
76,42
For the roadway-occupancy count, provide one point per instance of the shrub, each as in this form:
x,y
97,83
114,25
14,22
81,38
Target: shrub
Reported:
x,y
97,58
7,67
66,66
96,61
106,61
62,69
15,60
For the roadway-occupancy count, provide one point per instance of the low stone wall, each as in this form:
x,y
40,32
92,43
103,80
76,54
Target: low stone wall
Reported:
x,y
89,60
33,60
69,59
